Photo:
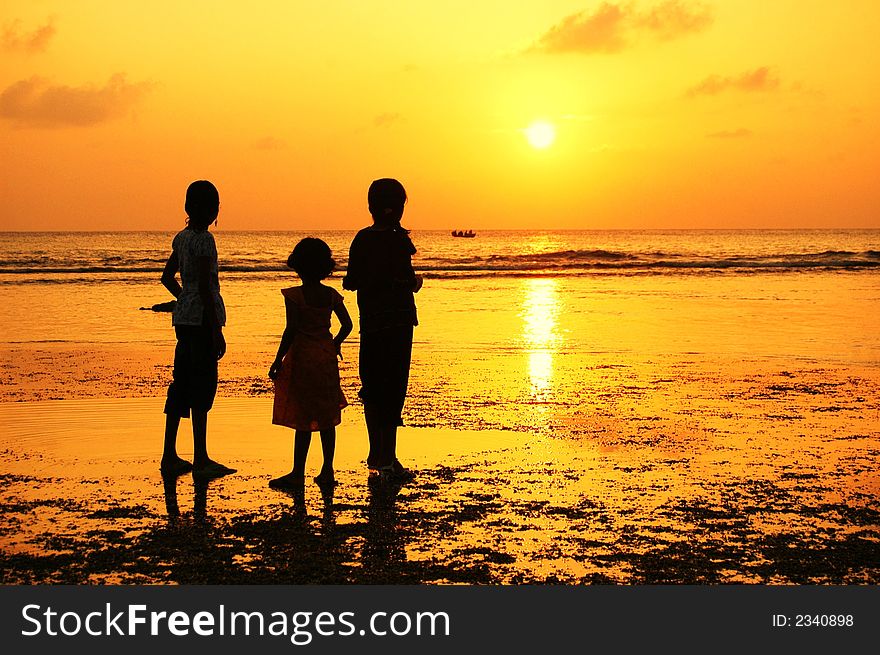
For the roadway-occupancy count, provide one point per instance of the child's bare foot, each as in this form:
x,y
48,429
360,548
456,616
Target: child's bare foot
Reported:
x,y
287,482
210,469
325,478
173,466
402,473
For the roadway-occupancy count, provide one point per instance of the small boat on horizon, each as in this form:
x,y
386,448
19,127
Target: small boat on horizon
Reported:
x,y
464,234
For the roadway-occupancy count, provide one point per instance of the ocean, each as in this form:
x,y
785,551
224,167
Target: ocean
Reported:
x,y
72,256
773,293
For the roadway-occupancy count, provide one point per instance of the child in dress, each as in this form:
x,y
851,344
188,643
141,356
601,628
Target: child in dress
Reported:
x,y
308,395
198,319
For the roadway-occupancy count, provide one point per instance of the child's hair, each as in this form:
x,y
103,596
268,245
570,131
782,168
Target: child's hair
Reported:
x,y
202,204
386,198
311,259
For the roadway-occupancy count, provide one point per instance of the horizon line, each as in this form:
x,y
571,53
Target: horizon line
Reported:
x,y
477,230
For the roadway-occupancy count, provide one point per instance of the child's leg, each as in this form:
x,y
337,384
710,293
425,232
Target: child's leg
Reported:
x,y
391,443
176,407
386,445
204,466
328,447
301,441
401,473
374,432
293,481
172,464
169,452
200,438
200,366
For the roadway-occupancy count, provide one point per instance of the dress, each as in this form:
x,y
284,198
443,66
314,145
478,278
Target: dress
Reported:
x,y
194,377
380,270
308,395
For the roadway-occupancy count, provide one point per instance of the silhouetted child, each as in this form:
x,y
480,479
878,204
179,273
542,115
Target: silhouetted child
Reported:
x,y
198,318
380,270
308,395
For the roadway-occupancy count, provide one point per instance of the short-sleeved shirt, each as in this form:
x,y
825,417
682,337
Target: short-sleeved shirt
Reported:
x,y
191,244
380,270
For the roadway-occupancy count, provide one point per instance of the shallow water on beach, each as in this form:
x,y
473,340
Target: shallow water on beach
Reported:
x,y
83,502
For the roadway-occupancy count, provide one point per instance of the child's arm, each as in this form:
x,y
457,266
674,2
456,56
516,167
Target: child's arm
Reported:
x,y
169,279
286,338
353,270
344,328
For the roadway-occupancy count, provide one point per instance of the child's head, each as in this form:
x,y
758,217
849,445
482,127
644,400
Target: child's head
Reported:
x,y
386,199
311,259
202,204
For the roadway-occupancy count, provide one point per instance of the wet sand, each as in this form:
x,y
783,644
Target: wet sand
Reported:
x,y
735,476
580,428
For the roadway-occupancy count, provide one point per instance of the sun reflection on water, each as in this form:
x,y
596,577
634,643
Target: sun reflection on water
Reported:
x,y
540,308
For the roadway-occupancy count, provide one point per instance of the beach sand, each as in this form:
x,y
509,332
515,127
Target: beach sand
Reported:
x,y
733,476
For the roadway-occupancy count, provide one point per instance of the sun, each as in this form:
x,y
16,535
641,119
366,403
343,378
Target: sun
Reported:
x,y
540,134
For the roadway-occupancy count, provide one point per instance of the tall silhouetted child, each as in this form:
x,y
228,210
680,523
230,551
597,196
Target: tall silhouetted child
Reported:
x,y
380,270
308,396
198,319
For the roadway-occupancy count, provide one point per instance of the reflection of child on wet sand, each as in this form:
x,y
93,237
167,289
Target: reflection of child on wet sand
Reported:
x,y
308,395
198,319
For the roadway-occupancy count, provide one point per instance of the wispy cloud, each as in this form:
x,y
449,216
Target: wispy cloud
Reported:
x,y
741,133
601,31
34,102
760,79
16,39
612,27
672,19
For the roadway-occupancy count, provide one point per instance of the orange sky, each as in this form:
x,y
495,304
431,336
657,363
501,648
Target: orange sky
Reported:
x,y
668,113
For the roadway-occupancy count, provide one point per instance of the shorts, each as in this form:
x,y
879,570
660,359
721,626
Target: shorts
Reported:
x,y
194,379
384,370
